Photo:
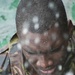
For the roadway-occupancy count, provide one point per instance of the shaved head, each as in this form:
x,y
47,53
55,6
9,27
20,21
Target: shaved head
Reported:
x,y
44,34
38,16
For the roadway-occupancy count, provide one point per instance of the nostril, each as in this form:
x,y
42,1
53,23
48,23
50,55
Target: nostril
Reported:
x,y
38,63
50,62
41,64
44,63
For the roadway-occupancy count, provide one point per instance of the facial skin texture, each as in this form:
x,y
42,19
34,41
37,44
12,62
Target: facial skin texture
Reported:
x,y
47,54
43,32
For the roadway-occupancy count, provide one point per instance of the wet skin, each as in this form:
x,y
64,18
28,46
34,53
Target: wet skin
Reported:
x,y
47,54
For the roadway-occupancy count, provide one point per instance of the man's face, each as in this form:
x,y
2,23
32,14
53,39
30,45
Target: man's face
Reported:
x,y
45,52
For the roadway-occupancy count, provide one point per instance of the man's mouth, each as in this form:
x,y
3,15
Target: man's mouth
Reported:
x,y
48,71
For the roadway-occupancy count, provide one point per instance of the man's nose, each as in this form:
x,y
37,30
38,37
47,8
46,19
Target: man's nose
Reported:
x,y
44,62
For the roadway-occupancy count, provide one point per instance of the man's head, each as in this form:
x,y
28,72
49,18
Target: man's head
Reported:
x,y
43,32
39,15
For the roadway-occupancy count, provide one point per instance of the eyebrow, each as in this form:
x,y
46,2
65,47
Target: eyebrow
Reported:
x,y
40,52
30,51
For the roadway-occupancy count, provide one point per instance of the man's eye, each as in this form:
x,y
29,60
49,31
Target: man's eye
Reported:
x,y
28,52
31,53
56,50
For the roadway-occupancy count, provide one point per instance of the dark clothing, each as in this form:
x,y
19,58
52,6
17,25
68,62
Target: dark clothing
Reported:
x,y
4,62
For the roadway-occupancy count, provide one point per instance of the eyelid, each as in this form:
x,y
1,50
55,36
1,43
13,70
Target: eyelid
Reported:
x,y
57,49
53,50
29,52
32,53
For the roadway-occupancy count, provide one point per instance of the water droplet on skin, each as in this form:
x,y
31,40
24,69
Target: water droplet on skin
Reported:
x,y
31,60
37,40
57,15
51,5
26,64
36,26
56,24
35,19
16,53
25,27
27,42
59,67
25,31
19,46
69,48
45,33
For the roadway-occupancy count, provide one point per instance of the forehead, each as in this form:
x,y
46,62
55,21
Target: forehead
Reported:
x,y
44,41
46,34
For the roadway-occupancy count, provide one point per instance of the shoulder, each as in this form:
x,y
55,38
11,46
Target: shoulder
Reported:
x,y
15,54
16,61
4,62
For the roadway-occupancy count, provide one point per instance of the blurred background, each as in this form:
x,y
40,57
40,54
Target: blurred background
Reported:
x,y
7,18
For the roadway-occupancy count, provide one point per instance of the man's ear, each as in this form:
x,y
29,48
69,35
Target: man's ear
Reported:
x,y
71,27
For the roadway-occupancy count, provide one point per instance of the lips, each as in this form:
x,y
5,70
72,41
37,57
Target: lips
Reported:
x,y
48,71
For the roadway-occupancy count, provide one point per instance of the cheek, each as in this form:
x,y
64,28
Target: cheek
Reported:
x,y
58,56
31,58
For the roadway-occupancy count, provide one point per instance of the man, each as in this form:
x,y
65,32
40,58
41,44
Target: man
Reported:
x,y
45,44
